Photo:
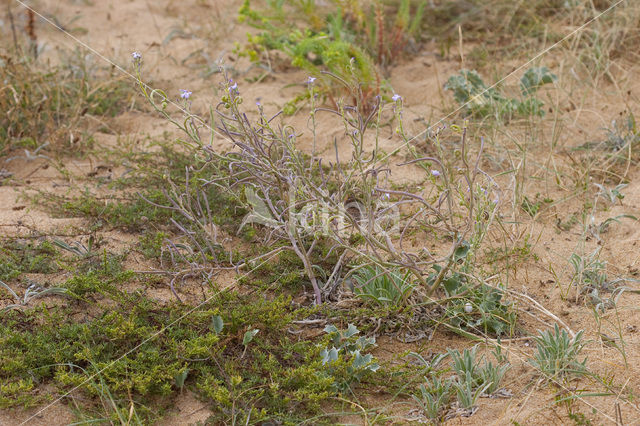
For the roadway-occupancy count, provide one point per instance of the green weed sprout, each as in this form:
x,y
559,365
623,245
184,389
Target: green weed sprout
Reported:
x,y
466,393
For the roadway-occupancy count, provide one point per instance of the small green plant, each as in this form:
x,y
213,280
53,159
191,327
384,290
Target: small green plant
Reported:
x,y
601,303
77,248
248,338
612,195
478,309
533,207
498,352
465,364
19,257
385,288
589,272
481,100
429,367
112,409
622,135
466,393
473,378
492,375
619,146
435,395
344,359
34,291
556,354
468,367
603,227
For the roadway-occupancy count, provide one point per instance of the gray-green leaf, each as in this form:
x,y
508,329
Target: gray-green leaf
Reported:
x,y
217,323
329,355
534,78
248,336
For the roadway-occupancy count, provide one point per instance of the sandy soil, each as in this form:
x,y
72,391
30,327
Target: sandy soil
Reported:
x,y
179,41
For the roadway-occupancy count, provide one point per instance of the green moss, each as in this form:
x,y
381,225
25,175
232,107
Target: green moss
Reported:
x,y
276,376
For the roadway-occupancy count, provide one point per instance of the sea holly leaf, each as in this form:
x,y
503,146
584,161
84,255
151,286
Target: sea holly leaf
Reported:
x,y
328,356
470,90
330,329
361,361
358,360
364,342
350,331
535,77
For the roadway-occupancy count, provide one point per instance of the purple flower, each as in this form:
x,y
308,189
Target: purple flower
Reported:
x,y
233,88
137,57
310,80
435,173
396,97
184,94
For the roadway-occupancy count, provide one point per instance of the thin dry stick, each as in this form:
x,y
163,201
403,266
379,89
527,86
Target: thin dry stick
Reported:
x,y
31,32
13,28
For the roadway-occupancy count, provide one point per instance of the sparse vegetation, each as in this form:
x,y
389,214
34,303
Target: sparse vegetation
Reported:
x,y
481,100
319,212
49,106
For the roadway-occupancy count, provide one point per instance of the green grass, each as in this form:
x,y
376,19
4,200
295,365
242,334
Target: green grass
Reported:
x,y
48,104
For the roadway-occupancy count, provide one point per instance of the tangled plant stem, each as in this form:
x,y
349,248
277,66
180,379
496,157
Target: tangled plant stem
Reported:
x,y
287,192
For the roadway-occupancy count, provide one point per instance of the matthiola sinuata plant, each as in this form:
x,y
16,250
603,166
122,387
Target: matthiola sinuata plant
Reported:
x,y
346,207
